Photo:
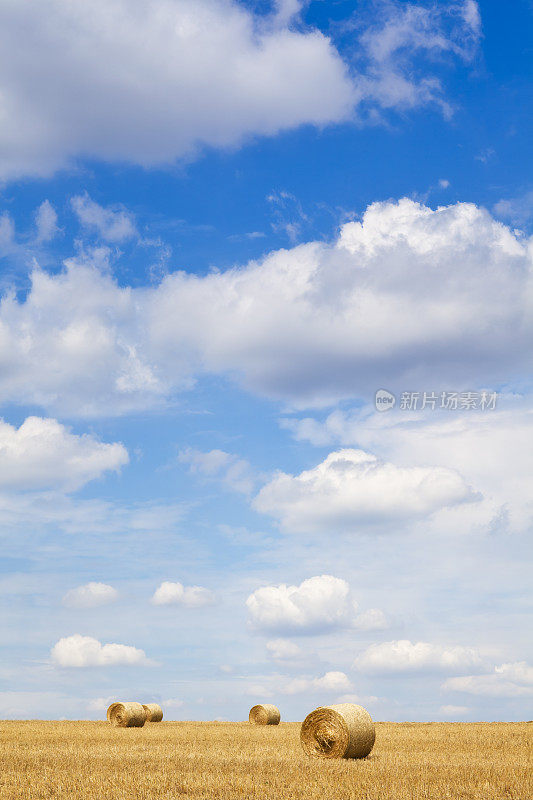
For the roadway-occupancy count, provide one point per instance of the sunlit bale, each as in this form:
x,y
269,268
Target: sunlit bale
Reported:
x,y
340,731
154,712
126,715
264,714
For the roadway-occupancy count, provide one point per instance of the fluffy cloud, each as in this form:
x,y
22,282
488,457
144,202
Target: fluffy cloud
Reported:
x,y
283,649
112,225
169,593
508,680
74,344
43,454
91,595
317,604
166,77
408,297
406,656
234,472
490,449
84,651
330,682
172,75
351,487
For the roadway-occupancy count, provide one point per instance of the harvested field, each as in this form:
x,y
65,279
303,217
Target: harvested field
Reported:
x,y
237,761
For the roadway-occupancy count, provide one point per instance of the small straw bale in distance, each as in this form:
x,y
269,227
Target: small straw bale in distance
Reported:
x,y
264,714
154,712
126,715
340,731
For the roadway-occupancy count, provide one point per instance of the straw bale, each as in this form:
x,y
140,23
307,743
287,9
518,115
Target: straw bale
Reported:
x,y
339,731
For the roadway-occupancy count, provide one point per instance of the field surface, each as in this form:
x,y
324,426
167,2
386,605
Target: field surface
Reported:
x,y
236,761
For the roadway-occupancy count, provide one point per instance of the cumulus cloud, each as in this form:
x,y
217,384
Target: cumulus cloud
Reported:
x,y
91,595
112,225
514,679
236,473
408,297
318,604
330,682
169,593
351,487
43,454
406,656
171,76
166,77
283,649
84,651
46,222
490,449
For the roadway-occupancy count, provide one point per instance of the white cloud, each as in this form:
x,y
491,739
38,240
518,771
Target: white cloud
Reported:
x,y
84,651
166,77
43,454
407,297
406,656
112,225
46,222
402,30
490,449
507,680
317,603
283,649
234,472
169,593
330,682
351,487
90,595
170,76
74,345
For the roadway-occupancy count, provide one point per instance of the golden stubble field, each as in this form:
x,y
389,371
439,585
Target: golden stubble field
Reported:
x,y
237,761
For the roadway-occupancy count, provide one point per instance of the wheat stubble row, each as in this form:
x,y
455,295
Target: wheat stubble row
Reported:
x,y
236,761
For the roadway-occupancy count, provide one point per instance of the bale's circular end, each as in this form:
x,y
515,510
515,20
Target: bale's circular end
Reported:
x,y
153,711
340,731
264,714
126,715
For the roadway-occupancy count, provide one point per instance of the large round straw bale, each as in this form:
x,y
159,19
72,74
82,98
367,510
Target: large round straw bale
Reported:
x,y
126,715
265,714
154,713
340,731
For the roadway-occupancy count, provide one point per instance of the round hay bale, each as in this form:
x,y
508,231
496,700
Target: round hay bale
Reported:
x,y
340,731
265,714
154,712
126,715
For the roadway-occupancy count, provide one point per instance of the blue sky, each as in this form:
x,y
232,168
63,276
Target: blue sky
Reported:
x,y
223,227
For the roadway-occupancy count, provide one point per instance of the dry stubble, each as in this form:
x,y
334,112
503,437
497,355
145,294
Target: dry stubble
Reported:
x,y
237,761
